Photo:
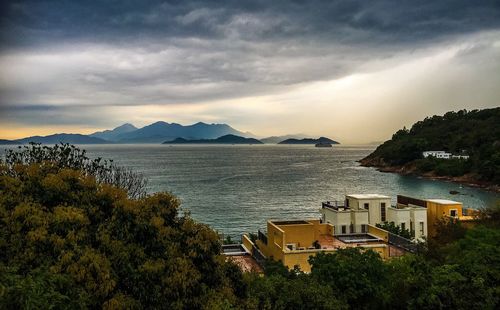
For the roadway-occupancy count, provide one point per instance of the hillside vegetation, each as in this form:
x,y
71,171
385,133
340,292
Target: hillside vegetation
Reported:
x,y
475,133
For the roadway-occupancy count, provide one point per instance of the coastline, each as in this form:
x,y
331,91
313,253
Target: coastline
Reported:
x,y
410,169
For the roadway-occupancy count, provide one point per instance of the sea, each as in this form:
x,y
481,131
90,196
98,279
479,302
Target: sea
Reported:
x,y
236,188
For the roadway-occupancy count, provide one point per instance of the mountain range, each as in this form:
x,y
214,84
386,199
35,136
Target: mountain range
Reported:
x,y
127,133
114,134
160,132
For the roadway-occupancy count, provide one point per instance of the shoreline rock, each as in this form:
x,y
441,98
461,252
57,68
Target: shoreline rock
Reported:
x,y
410,169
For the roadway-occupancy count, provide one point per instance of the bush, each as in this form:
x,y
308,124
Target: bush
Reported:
x,y
65,156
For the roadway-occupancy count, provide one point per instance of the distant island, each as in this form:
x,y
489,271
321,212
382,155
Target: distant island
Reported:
x,y
278,139
321,140
226,139
472,136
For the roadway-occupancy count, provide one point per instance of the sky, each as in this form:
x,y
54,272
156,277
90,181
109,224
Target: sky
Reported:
x,y
355,71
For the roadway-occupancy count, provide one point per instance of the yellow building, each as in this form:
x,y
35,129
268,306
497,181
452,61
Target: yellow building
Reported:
x,y
293,242
438,209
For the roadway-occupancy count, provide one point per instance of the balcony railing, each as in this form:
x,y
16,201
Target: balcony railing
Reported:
x,y
335,205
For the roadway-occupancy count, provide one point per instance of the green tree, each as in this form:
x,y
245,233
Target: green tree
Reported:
x,y
359,277
298,292
67,236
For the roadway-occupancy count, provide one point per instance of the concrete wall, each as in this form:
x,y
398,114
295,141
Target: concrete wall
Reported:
x,y
303,235
358,218
337,219
374,204
399,216
378,232
419,215
247,243
352,202
437,211
301,258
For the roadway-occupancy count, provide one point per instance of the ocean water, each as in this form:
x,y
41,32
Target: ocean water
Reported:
x,y
236,189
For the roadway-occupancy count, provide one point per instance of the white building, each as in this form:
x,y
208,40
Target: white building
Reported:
x,y
358,211
460,156
443,155
437,154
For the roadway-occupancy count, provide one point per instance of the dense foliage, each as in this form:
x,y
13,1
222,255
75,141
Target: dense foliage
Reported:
x,y
68,241
476,133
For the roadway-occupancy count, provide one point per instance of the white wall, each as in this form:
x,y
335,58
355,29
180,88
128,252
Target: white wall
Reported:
x,y
337,219
399,216
419,215
374,216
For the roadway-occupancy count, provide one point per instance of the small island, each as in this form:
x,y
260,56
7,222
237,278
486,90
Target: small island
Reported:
x,y
320,140
226,139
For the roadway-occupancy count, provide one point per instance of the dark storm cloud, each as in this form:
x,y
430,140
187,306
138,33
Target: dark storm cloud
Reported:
x,y
42,22
44,114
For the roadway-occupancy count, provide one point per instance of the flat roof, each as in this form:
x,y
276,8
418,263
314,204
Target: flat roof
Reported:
x,y
444,201
369,196
290,222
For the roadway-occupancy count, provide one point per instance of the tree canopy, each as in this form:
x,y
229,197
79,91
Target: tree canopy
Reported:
x,y
72,240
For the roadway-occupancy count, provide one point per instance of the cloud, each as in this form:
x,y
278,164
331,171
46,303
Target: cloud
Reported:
x,y
72,61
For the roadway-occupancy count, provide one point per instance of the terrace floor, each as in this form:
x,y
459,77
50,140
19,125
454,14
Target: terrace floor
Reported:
x,y
246,263
331,242
345,241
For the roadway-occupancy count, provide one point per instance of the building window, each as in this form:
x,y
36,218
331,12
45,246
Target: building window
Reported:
x,y
453,213
382,211
403,226
421,228
363,228
367,206
344,229
411,226
347,203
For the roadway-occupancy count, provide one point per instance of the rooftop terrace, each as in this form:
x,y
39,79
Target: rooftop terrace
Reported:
x,y
369,196
291,222
444,201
